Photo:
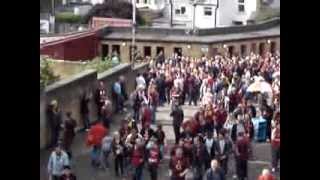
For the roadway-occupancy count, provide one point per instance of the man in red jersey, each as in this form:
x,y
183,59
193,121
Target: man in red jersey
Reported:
x,y
242,154
179,166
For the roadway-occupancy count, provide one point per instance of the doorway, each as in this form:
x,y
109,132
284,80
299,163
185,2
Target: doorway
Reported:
x,y
273,47
105,51
178,51
159,49
262,47
116,48
231,51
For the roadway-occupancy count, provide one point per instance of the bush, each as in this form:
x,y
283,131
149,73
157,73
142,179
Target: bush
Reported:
x,y
47,76
68,17
100,65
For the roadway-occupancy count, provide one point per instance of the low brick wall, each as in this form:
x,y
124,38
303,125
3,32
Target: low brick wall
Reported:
x,y
68,93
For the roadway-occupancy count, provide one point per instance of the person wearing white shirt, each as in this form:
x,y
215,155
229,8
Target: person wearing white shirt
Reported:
x,y
140,81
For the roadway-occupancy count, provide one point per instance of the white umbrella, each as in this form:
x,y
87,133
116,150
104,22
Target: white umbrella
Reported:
x,y
260,86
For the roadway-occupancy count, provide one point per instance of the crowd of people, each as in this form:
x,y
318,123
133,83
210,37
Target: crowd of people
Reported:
x,y
239,104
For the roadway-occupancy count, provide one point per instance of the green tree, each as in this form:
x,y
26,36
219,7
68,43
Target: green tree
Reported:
x,y
113,9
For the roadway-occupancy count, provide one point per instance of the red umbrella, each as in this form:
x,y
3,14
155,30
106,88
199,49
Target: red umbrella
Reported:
x,y
96,134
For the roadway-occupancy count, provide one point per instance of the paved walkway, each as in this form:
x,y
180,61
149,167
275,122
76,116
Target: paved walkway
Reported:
x,y
84,171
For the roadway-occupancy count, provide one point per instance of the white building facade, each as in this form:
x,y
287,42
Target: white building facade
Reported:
x,y
212,13
155,5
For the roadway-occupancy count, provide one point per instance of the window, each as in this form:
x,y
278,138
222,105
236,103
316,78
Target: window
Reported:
x,y
207,11
147,51
241,6
181,10
137,1
146,1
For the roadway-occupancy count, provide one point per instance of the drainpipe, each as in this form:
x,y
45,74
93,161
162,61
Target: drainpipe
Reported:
x,y
171,13
194,16
215,14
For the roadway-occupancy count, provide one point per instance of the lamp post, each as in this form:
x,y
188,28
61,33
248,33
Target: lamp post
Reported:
x,y
133,31
52,17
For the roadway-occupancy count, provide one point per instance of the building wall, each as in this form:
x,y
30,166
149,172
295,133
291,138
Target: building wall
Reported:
x,y
188,49
228,11
83,48
202,20
186,18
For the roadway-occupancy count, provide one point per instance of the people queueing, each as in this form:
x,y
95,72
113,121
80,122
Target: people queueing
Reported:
x,y
227,121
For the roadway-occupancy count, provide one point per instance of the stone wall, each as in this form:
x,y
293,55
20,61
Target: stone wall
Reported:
x,y
68,93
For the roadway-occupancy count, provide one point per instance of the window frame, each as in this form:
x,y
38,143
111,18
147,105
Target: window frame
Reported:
x,y
205,10
241,5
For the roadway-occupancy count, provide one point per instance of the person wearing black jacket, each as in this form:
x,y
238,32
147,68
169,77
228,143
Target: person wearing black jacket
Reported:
x,y
100,97
118,149
199,156
84,110
146,132
223,148
209,143
178,116
55,120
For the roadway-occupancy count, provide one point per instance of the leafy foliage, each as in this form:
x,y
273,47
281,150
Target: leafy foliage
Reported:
x,y
68,17
113,9
99,65
46,73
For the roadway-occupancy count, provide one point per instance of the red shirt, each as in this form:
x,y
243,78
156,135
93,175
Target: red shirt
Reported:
x,y
177,166
267,177
243,148
137,157
154,157
275,143
146,117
